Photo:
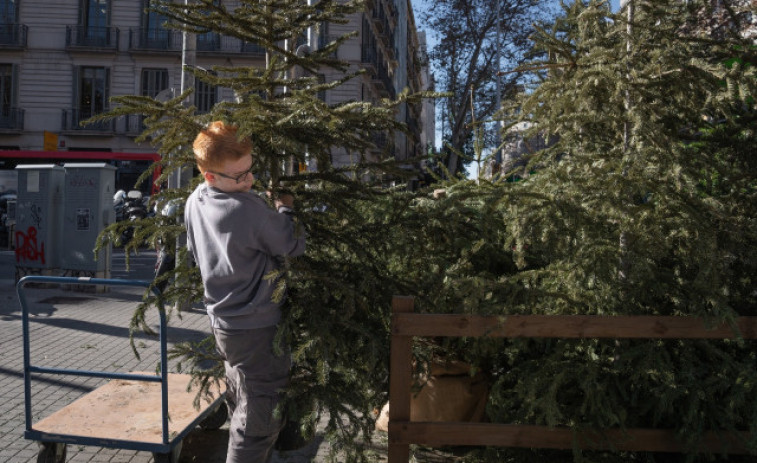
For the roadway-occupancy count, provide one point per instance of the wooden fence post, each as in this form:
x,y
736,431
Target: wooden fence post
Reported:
x,y
400,382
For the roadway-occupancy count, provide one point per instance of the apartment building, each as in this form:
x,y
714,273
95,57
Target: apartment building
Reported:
x,y
62,60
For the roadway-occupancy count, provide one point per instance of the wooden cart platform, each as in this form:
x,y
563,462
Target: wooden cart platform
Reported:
x,y
128,410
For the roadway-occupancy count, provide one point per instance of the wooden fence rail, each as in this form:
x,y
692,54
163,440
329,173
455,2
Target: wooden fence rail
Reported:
x,y
405,325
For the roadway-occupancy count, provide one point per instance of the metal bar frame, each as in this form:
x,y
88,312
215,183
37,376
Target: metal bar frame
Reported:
x,y
30,433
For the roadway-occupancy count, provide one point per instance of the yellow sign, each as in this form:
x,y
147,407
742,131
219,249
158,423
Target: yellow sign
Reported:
x,y
51,141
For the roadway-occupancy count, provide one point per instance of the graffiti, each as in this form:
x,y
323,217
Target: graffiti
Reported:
x,y
82,181
36,212
27,247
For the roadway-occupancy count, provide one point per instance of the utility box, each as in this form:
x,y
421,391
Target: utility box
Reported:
x,y
39,214
88,209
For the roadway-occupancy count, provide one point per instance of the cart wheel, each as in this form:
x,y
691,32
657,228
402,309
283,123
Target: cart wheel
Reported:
x,y
216,419
172,457
51,452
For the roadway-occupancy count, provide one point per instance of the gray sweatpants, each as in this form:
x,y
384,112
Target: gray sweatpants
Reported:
x,y
254,376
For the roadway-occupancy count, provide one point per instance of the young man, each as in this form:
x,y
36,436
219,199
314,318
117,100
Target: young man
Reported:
x,y
236,240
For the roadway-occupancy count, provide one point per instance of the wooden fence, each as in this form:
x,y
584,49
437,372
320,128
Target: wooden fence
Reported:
x,y
405,325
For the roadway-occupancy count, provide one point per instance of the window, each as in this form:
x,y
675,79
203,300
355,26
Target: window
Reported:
x,y
91,96
10,117
8,20
153,34
6,87
94,23
154,81
206,96
209,41
8,12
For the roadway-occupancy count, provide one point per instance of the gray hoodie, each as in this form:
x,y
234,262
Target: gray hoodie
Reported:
x,y
236,240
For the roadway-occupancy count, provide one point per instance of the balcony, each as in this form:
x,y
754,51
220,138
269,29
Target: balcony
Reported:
x,y
11,119
250,48
92,38
134,124
13,36
368,58
154,39
385,83
159,40
72,123
209,41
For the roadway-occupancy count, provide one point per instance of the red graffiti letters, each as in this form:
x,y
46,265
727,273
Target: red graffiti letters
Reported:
x,y
27,247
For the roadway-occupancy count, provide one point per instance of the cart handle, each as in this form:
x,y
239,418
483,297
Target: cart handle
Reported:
x,y
29,368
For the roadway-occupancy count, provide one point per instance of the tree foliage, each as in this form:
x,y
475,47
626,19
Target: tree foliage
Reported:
x,y
465,63
335,318
645,205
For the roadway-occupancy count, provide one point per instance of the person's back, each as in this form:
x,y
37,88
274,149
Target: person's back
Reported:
x,y
237,241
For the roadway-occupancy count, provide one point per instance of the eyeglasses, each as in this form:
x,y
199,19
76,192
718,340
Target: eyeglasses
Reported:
x,y
239,178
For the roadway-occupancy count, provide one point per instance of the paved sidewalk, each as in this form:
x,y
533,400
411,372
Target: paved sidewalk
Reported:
x,y
82,330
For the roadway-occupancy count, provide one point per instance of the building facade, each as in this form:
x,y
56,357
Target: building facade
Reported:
x,y
62,60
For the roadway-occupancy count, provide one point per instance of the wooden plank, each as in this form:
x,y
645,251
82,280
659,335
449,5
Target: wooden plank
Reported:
x,y
568,326
525,436
400,380
127,410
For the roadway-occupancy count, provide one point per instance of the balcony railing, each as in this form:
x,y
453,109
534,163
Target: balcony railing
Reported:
x,y
72,119
11,118
209,41
92,37
13,35
154,38
253,49
212,42
163,40
135,124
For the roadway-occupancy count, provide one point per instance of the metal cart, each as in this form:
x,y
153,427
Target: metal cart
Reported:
x,y
131,411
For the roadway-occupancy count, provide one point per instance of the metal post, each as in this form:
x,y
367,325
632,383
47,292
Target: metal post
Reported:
x,y
182,176
498,138
188,60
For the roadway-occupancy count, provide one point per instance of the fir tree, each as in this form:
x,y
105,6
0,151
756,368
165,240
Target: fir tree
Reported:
x,y
656,145
339,295
645,205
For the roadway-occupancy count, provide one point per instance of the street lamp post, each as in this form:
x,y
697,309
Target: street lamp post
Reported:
x,y
498,138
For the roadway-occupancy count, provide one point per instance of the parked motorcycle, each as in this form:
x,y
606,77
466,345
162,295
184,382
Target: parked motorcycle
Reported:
x,y
166,261
119,199
134,208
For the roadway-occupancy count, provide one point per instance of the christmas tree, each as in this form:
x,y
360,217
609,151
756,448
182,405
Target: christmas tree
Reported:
x,y
644,205
336,319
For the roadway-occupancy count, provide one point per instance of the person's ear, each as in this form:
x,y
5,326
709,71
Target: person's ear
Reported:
x,y
209,177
